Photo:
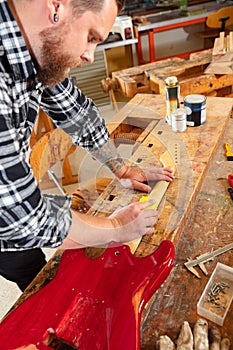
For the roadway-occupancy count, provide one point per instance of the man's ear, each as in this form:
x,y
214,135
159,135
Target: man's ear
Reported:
x,y
53,10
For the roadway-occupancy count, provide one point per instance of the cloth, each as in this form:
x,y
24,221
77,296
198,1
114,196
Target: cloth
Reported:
x,y
29,219
22,267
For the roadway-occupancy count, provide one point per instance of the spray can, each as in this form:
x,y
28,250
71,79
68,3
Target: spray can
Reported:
x,y
172,88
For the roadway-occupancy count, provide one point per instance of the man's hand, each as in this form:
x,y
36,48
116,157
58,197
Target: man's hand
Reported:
x,y
125,224
136,177
134,221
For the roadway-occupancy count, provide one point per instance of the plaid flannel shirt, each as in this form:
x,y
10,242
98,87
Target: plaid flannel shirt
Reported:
x,y
29,219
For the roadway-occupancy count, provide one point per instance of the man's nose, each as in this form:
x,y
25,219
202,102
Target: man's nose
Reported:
x,y
88,56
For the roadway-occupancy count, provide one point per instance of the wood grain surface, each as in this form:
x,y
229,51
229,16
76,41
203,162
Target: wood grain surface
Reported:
x,y
207,228
195,214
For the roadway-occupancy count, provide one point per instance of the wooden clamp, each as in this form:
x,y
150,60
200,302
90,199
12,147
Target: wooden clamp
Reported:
x,y
109,84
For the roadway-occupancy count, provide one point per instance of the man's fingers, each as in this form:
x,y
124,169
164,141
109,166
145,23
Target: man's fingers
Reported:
x,y
127,183
150,222
149,203
139,186
150,231
160,174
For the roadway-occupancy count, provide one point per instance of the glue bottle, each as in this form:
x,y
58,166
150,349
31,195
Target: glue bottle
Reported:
x,y
172,88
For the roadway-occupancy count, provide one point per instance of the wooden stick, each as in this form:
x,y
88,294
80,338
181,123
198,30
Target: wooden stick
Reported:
x,y
231,41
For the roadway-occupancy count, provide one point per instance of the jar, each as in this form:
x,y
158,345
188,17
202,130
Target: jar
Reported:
x,y
178,120
196,109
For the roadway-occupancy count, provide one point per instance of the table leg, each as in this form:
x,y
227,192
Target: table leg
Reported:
x,y
151,45
139,50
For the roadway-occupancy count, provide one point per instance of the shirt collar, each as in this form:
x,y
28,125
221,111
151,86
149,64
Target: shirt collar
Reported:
x,y
14,45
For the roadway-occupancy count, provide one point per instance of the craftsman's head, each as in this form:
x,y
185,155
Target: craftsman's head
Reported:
x,y
72,39
62,34
93,5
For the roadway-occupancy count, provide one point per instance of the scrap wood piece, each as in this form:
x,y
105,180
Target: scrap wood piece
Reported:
x,y
214,338
200,335
222,58
220,68
165,343
185,339
206,339
223,44
220,45
230,45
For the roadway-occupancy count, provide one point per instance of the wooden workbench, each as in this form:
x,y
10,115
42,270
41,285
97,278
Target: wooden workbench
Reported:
x,y
190,73
195,213
208,227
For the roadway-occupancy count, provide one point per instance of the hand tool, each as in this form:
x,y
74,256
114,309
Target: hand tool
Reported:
x,y
200,260
229,154
145,199
54,178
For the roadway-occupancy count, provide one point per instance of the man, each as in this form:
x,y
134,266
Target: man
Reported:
x,y
39,42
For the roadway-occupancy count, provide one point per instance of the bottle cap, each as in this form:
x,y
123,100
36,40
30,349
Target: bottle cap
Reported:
x,y
171,81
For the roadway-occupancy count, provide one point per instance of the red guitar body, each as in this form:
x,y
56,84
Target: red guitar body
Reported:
x,y
91,303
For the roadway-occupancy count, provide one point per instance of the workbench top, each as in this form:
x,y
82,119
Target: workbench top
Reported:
x,y
208,227
195,213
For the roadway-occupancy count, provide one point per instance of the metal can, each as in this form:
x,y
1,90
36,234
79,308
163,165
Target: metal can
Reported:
x,y
172,88
179,120
196,109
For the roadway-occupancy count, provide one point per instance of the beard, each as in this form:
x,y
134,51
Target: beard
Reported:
x,y
54,63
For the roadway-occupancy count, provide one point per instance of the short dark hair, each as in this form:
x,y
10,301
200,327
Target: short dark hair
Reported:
x,y
80,6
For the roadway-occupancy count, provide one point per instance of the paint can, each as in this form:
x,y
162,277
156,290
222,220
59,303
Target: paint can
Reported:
x,y
172,88
196,109
178,120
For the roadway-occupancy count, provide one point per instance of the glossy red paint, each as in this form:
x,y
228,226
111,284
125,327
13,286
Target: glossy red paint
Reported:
x,y
91,303
230,179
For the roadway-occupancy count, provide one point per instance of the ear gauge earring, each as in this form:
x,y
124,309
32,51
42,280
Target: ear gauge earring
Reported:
x,y
55,17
